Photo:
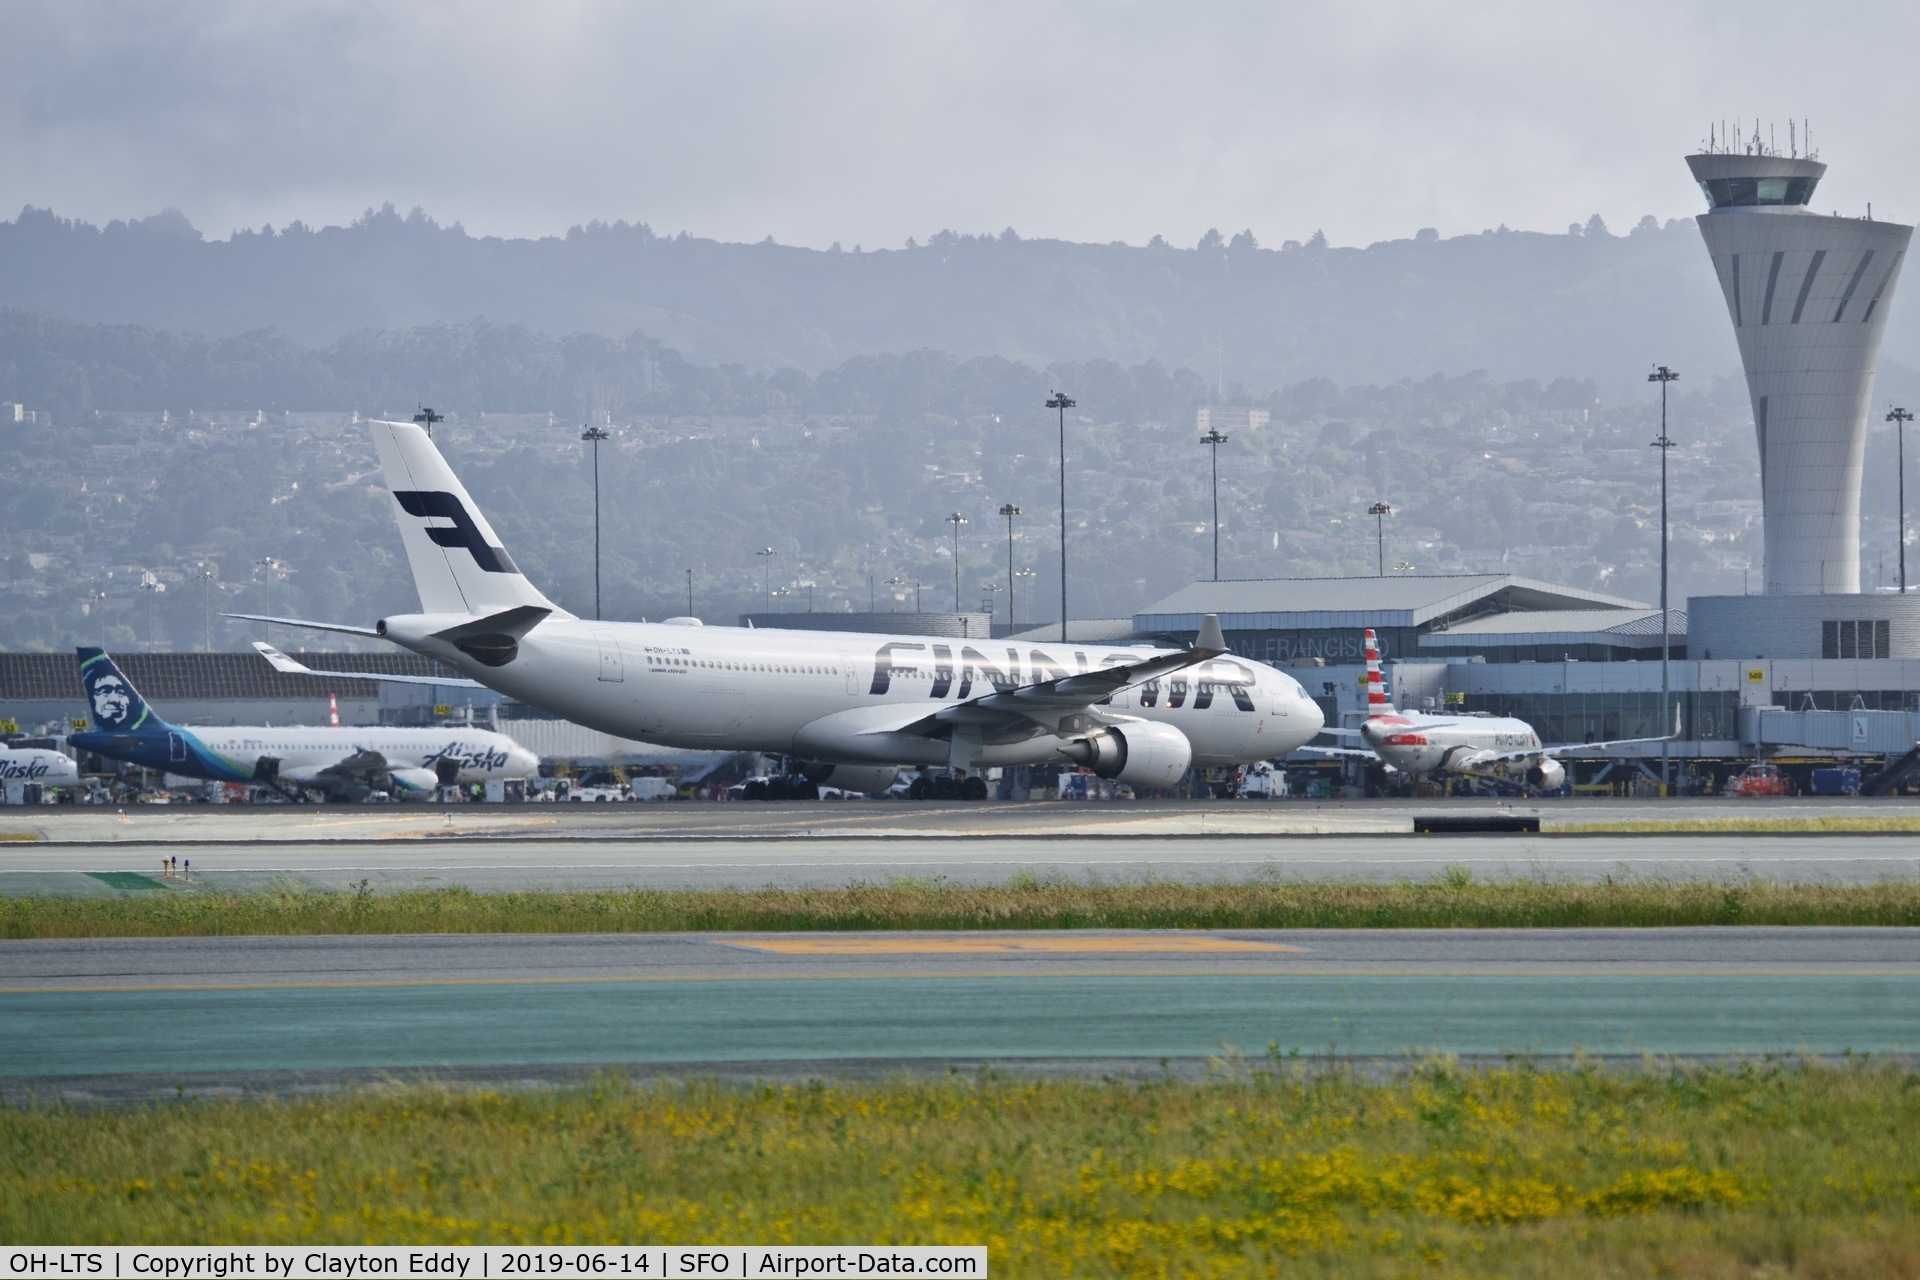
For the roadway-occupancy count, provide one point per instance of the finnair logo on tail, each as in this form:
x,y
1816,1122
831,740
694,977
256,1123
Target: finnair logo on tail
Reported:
x,y
433,504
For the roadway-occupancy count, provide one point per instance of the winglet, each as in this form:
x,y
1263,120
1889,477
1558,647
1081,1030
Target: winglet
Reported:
x,y
281,662
1211,637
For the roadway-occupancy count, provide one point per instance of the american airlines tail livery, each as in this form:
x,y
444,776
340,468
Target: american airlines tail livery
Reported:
x,y
1498,747
852,708
343,763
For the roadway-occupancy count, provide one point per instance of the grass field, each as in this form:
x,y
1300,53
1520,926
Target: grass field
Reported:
x,y
1455,900
1770,1169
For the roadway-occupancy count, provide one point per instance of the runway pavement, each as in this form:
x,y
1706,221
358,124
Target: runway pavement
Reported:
x,y
557,861
148,1011
142,824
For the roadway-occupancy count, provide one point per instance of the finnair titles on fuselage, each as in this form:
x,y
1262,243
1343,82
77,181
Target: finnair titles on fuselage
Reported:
x,y
854,707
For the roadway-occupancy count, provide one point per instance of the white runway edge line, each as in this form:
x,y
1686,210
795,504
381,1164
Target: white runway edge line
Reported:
x,y
486,1262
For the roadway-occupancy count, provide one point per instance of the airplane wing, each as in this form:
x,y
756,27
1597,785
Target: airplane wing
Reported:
x,y
289,666
1339,753
341,627
1566,749
1052,704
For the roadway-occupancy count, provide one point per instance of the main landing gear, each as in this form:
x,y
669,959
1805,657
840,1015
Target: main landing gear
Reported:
x,y
947,786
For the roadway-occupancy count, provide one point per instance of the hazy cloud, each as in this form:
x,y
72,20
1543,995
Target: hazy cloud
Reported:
x,y
872,122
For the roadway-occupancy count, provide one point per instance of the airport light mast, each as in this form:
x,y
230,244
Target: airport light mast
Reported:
x,y
1900,418
1663,376
1215,438
1379,511
766,555
956,520
593,436
427,417
689,593
1063,402
1009,511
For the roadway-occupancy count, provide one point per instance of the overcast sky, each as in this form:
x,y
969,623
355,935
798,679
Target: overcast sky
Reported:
x,y
871,122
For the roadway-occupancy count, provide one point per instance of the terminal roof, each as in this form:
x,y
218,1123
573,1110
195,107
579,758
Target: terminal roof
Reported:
x,y
1297,604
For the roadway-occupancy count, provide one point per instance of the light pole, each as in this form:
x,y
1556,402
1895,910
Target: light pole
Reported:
x,y
260,568
1663,376
1063,402
1214,439
896,582
427,417
1009,511
1899,418
1380,511
593,436
766,555
689,593
956,520
1029,574
206,601
152,586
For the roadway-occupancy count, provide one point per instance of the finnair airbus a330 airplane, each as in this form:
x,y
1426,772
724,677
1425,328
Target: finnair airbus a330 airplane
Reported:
x,y
851,708
343,763
1496,747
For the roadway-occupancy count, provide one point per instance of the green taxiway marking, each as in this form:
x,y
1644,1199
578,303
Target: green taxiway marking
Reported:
x,y
130,880
161,1031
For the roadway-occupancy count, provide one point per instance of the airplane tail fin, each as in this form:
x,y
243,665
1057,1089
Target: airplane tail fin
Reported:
x,y
1377,702
113,704
458,563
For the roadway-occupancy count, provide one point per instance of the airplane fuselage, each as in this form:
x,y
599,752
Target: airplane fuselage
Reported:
x,y
1422,744
234,753
821,695
37,764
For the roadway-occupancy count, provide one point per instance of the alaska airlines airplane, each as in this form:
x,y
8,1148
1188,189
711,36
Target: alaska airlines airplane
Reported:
x,y
1498,747
343,763
852,708
36,764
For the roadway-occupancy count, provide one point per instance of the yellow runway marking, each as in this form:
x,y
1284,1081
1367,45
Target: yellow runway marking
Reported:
x,y
819,976
997,946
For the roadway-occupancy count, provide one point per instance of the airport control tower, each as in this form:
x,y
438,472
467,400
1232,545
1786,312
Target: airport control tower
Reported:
x,y
1809,296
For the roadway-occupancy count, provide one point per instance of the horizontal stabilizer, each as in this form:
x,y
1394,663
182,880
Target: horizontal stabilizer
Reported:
x,y
292,667
515,622
341,627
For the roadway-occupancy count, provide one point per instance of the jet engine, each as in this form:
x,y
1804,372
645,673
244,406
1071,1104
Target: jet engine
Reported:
x,y
1141,754
1547,774
851,777
412,784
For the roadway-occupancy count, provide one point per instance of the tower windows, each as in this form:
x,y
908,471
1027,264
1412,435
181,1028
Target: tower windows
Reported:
x,y
1866,260
1724,193
1806,285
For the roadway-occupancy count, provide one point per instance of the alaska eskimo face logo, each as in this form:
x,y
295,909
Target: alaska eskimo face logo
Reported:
x,y
111,702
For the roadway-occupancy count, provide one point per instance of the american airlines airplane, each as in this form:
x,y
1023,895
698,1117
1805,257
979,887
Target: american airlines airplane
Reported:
x,y
1498,747
852,709
342,763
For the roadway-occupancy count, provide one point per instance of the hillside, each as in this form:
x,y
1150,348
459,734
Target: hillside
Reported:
x,y
1517,304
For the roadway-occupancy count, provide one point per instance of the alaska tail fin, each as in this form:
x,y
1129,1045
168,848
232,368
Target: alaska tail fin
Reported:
x,y
1377,702
458,563
113,704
